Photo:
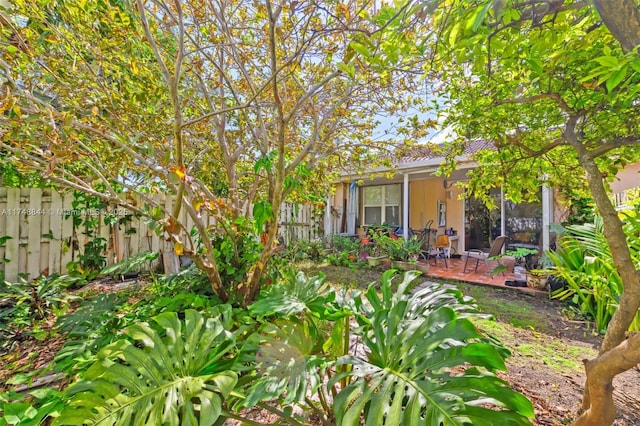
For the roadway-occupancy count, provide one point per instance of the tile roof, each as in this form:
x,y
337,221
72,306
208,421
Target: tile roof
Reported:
x,y
431,151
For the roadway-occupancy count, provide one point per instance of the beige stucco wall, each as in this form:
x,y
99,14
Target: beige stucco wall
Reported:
x,y
627,178
338,206
424,195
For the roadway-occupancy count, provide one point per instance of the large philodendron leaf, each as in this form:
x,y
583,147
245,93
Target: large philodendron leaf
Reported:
x,y
297,294
179,377
290,348
426,366
288,362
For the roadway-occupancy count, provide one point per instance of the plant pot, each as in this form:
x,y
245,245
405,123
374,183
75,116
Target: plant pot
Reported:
x,y
376,260
537,281
403,265
325,252
422,267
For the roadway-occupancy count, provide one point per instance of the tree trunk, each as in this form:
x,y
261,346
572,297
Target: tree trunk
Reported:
x,y
617,353
601,372
213,276
622,18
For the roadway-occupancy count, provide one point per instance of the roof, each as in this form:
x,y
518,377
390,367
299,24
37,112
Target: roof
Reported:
x,y
425,160
431,151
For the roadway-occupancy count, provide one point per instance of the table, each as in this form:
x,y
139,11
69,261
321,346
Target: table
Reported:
x,y
523,245
453,238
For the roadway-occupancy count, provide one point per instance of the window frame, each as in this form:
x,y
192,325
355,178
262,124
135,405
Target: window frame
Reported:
x,y
383,204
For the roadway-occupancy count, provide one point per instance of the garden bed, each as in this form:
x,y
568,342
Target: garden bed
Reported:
x,y
547,347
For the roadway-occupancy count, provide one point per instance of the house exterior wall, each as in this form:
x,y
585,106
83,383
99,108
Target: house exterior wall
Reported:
x,y
339,203
424,195
627,178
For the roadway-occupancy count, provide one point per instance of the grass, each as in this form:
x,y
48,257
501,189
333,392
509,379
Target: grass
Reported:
x,y
341,276
514,311
519,326
538,348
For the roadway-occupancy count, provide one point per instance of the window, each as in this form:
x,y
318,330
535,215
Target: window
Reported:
x,y
382,205
523,223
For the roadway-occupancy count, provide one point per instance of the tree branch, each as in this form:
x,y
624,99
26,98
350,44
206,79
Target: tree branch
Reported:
x,y
605,147
542,96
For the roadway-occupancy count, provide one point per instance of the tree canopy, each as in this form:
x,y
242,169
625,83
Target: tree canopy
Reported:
x,y
554,85
225,105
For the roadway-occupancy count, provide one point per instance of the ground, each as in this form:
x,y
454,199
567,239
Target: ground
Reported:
x,y
546,341
546,362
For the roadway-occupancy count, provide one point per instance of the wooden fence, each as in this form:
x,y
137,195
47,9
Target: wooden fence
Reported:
x,y
37,235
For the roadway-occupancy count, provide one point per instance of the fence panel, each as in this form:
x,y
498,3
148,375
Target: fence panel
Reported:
x,y
41,238
12,224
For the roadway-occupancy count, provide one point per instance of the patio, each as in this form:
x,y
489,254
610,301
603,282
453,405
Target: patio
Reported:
x,y
455,272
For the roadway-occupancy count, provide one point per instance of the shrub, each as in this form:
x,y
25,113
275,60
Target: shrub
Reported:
x,y
584,261
399,248
419,359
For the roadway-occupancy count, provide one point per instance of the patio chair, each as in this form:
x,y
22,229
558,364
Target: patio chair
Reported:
x,y
442,248
478,255
426,245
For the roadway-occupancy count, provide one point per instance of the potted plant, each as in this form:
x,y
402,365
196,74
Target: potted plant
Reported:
x,y
537,277
519,270
374,254
403,253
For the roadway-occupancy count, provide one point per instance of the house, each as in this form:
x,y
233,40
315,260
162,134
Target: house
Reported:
x,y
413,196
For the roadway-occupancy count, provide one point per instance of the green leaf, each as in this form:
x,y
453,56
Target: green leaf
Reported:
x,y
348,69
607,61
262,212
160,380
360,49
414,344
135,262
453,35
481,13
635,64
616,78
265,162
288,362
536,65
295,294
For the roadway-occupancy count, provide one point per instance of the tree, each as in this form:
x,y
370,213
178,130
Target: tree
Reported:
x,y
555,85
229,106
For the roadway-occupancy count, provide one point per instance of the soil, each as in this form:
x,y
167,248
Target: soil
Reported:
x,y
556,394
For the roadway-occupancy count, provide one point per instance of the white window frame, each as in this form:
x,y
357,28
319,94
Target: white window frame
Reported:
x,y
383,204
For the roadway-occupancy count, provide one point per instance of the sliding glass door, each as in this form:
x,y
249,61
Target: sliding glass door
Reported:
x,y
522,223
481,225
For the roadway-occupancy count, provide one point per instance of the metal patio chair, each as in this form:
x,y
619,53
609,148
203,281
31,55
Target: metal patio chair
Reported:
x,y
478,255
